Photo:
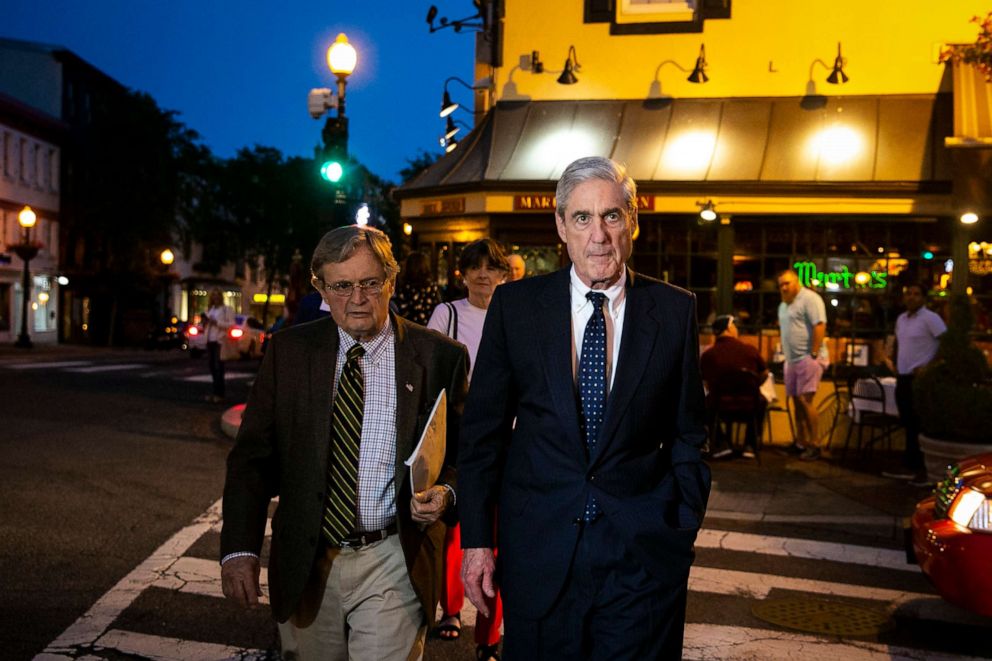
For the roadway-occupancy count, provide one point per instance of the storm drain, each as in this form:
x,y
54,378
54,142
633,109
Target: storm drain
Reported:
x,y
832,618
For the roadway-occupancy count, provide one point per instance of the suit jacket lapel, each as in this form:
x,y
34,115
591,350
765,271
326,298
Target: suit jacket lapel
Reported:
x,y
641,327
410,384
322,364
555,343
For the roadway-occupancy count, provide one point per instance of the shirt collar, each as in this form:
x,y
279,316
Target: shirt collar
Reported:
x,y
614,293
373,347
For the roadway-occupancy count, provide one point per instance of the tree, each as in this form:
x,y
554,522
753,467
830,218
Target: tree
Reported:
x,y
124,188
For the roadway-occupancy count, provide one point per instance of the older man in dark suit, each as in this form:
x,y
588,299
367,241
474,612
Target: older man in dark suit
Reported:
x,y
338,406
599,483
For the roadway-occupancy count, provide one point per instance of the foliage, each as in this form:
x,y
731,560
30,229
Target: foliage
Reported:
x,y
953,394
417,164
978,54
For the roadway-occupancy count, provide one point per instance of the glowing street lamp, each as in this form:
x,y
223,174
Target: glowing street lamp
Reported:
x,y
27,251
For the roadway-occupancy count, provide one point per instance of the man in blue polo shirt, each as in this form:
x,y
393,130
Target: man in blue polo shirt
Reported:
x,y
802,321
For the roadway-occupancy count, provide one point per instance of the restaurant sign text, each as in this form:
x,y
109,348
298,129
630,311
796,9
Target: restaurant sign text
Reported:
x,y
843,278
444,206
547,202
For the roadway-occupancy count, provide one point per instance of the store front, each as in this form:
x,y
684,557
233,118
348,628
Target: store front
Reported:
x,y
856,192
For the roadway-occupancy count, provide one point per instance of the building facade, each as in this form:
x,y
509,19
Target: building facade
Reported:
x,y
29,177
860,181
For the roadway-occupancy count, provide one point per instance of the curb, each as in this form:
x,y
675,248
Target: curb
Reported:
x,y
230,420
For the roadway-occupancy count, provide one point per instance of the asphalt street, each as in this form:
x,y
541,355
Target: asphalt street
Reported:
x,y
111,479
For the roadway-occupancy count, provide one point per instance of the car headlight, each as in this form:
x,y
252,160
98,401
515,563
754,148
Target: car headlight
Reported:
x,y
972,509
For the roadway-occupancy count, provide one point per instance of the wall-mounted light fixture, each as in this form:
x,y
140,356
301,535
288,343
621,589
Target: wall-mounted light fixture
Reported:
x,y
698,74
572,65
451,128
837,75
447,105
567,75
969,218
707,211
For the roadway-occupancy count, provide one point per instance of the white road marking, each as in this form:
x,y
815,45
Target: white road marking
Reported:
x,y
50,365
161,648
118,367
804,548
853,519
206,378
202,577
91,625
710,641
757,586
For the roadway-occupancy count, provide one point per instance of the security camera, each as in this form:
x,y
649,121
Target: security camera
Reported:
x,y
320,100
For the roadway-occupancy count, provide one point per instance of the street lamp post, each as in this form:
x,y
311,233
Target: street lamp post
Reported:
x,y
166,257
27,251
341,60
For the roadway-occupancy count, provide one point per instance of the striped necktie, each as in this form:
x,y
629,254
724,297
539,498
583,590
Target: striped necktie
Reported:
x,y
346,436
592,384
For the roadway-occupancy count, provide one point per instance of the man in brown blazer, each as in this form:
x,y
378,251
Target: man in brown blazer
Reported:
x,y
338,405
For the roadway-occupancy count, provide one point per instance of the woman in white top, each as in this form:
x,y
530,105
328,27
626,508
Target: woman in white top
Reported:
x,y
483,266
217,320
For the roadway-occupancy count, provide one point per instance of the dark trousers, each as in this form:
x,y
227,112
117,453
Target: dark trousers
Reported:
x,y
910,421
216,367
610,608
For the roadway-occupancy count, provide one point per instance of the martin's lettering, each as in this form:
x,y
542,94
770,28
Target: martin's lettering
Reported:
x,y
810,277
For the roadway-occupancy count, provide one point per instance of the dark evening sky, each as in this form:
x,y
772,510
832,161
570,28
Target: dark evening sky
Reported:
x,y
239,72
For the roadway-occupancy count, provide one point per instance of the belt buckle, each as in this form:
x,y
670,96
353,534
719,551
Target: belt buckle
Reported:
x,y
354,542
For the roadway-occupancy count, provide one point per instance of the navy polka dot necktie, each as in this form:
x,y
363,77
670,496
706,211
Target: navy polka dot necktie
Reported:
x,y
592,384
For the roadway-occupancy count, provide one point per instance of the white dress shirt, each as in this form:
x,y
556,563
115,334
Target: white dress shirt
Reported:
x,y
613,310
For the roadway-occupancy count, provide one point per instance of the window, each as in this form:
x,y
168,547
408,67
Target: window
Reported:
x,y
22,160
7,154
38,165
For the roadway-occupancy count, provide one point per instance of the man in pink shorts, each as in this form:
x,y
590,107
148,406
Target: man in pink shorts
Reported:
x,y
802,319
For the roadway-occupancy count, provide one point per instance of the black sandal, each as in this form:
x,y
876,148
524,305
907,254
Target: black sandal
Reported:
x,y
450,627
487,652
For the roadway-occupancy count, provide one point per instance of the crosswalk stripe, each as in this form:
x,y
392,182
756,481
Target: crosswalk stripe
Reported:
x,y
92,624
229,376
95,369
804,548
710,641
201,577
164,648
49,365
853,519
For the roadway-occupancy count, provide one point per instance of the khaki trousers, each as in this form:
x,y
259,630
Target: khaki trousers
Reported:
x,y
368,612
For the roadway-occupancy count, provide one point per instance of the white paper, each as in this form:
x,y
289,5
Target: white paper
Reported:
x,y
428,458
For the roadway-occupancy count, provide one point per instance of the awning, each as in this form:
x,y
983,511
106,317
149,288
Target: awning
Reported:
x,y
762,146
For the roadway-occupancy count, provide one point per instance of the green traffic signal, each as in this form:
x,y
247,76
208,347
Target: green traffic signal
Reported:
x,y
331,171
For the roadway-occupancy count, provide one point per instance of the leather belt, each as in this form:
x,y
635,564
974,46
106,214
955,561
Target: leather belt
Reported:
x,y
360,539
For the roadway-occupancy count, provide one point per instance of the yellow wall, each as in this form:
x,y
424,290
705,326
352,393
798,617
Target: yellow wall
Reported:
x,y
890,46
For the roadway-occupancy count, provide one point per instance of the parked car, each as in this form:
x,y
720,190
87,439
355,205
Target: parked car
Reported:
x,y
247,335
169,334
196,337
952,535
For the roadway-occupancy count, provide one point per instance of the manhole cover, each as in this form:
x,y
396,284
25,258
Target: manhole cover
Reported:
x,y
832,618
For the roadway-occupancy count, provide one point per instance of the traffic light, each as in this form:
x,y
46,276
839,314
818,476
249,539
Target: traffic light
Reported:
x,y
335,136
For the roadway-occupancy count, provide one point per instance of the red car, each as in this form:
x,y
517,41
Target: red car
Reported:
x,y
952,535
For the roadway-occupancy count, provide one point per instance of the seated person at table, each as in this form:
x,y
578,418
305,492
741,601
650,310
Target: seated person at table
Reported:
x,y
729,355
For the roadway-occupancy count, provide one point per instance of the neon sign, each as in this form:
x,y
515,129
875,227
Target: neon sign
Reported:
x,y
810,277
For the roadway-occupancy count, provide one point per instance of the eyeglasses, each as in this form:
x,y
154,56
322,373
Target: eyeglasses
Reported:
x,y
345,288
